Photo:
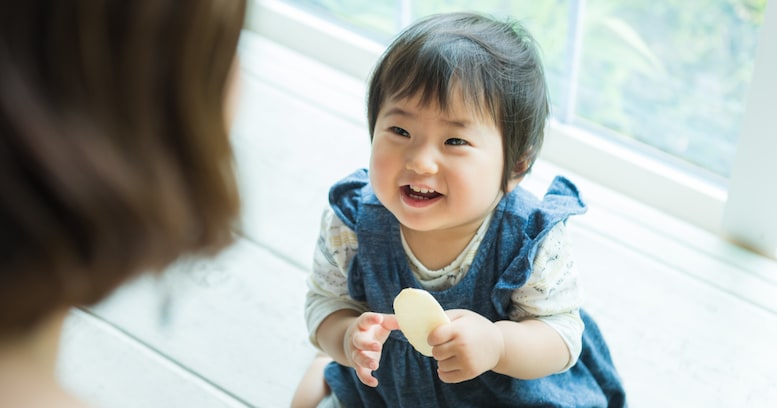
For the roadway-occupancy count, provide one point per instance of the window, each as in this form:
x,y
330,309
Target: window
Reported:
x,y
670,74
651,96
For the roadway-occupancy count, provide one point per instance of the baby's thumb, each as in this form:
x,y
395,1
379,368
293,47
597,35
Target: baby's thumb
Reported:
x,y
390,322
440,335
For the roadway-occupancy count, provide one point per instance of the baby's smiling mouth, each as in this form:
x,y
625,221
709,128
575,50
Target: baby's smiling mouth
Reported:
x,y
419,193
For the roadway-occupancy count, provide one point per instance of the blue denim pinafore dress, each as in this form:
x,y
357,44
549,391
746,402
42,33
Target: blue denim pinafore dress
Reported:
x,y
503,263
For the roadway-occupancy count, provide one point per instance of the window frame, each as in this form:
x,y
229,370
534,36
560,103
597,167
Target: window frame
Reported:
x,y
742,213
749,217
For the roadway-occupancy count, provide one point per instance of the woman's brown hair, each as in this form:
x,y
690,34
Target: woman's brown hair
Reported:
x,y
114,152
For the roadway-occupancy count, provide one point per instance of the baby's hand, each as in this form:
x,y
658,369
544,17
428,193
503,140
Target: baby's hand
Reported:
x,y
363,343
466,347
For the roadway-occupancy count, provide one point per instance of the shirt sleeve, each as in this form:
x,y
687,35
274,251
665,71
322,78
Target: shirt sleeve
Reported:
x,y
552,293
327,282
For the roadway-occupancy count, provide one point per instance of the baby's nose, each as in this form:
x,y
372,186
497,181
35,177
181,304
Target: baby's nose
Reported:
x,y
422,160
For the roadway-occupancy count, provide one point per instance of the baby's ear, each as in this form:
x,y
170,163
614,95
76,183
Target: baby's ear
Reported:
x,y
523,164
516,176
520,170
521,167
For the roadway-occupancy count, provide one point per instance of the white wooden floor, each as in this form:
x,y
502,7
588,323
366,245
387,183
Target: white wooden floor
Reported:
x,y
691,321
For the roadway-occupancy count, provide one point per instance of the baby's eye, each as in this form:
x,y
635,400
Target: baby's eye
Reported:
x,y
400,131
454,141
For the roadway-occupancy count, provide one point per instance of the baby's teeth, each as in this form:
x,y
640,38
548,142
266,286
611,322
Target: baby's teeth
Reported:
x,y
421,190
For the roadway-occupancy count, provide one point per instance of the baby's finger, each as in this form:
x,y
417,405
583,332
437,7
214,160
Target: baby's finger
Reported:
x,y
365,376
447,365
367,320
443,352
367,343
365,359
390,322
441,335
451,377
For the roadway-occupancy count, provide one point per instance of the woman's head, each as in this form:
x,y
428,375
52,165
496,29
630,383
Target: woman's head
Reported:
x,y
495,66
114,153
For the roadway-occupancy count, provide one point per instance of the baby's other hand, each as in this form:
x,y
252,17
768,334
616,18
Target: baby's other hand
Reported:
x,y
466,347
363,343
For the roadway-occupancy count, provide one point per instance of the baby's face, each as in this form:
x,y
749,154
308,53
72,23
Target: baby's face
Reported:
x,y
436,170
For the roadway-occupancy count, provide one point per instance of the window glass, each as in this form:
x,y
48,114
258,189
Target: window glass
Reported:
x,y
376,19
671,73
666,76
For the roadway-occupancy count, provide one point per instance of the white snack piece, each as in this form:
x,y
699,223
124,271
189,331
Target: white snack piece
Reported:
x,y
418,313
